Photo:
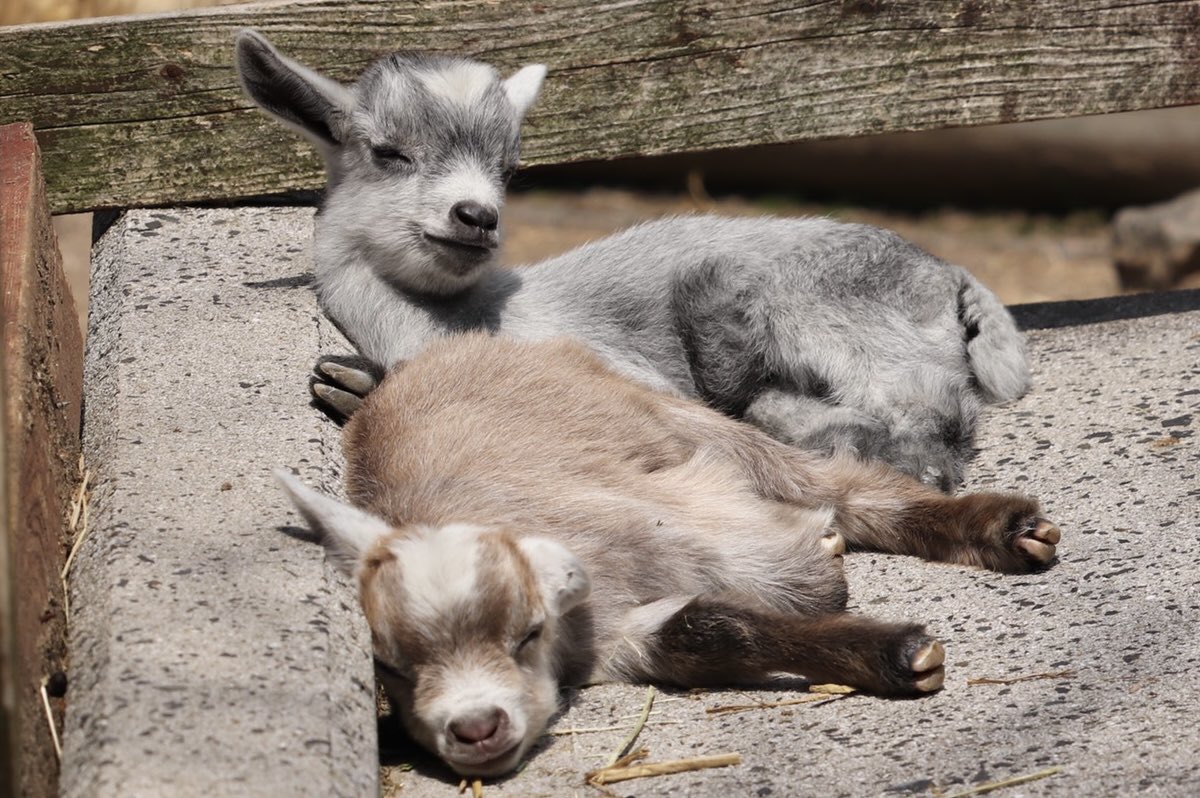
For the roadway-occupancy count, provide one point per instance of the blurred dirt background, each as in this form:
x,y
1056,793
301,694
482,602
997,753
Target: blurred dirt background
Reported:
x,y
1028,208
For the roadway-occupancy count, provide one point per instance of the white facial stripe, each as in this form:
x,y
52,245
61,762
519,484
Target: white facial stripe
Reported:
x,y
469,688
468,182
439,570
462,84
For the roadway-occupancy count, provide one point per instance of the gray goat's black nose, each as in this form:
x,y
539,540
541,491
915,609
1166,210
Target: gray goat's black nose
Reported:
x,y
473,214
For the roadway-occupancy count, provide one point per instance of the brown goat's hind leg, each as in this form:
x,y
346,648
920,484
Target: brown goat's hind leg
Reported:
x,y
1003,532
718,641
881,509
878,507
998,531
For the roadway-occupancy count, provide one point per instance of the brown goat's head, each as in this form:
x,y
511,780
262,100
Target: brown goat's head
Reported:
x,y
464,620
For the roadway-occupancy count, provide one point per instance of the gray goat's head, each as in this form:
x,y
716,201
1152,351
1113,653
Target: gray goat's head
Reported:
x,y
417,151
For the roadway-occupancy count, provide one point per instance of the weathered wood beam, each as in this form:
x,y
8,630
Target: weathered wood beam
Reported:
x,y
42,351
147,110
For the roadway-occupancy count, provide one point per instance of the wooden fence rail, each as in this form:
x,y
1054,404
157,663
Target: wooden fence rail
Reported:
x,y
146,110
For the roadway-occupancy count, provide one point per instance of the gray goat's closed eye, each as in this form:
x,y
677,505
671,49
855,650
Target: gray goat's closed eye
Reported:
x,y
385,153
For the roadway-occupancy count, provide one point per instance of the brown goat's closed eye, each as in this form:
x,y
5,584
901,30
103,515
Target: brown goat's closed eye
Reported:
x,y
523,517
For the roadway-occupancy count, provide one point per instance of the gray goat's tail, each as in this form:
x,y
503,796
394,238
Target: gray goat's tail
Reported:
x,y
995,347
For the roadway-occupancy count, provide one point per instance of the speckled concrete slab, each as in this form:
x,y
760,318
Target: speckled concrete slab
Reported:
x,y
212,655
215,656
1106,643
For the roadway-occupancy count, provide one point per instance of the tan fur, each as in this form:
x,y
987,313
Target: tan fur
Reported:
x,y
545,439
701,536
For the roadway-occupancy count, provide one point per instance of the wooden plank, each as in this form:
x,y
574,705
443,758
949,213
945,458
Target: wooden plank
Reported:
x,y
147,110
9,672
43,373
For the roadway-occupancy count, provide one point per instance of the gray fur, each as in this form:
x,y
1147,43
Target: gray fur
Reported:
x,y
841,337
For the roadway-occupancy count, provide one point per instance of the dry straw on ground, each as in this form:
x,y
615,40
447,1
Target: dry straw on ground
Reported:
x,y
476,786
77,526
817,694
1028,678
611,775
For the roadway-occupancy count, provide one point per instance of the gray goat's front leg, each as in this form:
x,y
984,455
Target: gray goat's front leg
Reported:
x,y
341,385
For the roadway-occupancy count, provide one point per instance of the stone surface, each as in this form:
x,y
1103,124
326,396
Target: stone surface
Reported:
x,y
1107,440
214,655
211,654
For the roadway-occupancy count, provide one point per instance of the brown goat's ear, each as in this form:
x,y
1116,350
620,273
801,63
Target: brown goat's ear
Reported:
x,y
561,576
346,532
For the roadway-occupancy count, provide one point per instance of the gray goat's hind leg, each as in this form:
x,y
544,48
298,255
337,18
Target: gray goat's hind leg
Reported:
x,y
816,425
811,423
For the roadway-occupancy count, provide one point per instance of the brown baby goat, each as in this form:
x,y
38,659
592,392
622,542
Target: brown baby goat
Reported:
x,y
524,518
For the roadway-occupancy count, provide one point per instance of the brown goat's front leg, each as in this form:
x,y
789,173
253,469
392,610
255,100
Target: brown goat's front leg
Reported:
x,y
721,641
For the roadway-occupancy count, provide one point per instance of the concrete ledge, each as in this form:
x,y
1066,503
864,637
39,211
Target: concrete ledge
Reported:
x,y
214,656
210,653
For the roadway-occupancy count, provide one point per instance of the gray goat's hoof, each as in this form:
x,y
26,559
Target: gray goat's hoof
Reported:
x,y
355,381
343,402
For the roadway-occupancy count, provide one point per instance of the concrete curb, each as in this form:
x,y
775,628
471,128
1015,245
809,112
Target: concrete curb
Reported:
x,y
211,653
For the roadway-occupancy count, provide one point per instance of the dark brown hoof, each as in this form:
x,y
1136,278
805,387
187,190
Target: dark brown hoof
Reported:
x,y
1037,540
927,665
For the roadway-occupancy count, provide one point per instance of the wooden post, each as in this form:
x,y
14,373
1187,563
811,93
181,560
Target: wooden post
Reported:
x,y
8,648
42,353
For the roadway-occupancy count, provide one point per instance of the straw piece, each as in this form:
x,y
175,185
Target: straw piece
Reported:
x,y
831,689
596,729
50,719
1031,677
815,699
610,775
631,738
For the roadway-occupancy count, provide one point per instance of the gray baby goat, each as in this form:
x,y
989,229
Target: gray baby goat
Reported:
x,y
830,336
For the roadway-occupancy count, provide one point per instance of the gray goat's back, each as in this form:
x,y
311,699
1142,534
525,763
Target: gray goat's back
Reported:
x,y
816,330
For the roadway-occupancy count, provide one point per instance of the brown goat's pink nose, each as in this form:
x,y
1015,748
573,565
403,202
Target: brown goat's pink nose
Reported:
x,y
477,727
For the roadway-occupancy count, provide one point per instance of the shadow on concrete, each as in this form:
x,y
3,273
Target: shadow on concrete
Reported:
x,y
1047,315
297,281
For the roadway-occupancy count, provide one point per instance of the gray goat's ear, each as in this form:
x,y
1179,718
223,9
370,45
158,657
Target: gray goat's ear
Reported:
x,y
301,98
523,87
562,577
346,532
